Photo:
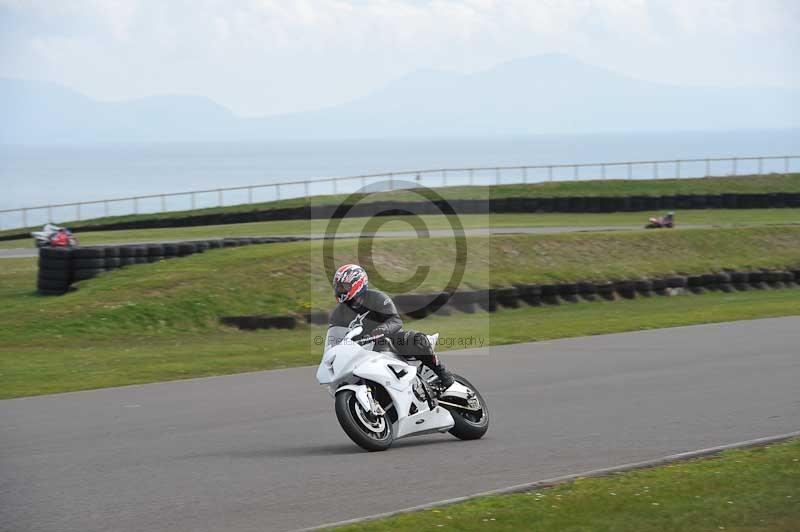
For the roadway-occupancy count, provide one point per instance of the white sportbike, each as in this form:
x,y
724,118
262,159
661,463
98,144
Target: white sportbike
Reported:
x,y
381,397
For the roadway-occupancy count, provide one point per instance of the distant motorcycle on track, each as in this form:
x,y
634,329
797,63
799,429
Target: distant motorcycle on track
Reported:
x,y
662,222
381,397
54,236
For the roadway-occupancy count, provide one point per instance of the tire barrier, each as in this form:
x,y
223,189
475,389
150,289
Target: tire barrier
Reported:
x,y
59,268
55,271
317,317
186,249
418,306
696,284
140,254
625,289
486,300
550,294
571,204
643,287
252,323
606,291
507,297
587,291
659,286
529,294
723,281
464,302
568,292
155,252
757,280
740,280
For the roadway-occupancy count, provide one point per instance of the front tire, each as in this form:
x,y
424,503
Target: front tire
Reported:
x,y
375,436
469,425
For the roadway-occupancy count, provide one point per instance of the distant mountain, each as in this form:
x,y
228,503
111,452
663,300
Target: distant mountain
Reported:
x,y
543,94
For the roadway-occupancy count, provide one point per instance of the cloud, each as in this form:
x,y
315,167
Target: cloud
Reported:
x,y
270,56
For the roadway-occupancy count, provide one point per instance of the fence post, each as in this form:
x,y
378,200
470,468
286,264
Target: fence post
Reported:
x,y
391,181
655,170
603,171
733,164
760,165
708,168
305,188
630,170
163,203
471,176
194,201
577,169
677,169
549,173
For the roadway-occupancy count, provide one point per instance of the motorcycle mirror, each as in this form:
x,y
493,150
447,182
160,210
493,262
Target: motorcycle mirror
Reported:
x,y
354,332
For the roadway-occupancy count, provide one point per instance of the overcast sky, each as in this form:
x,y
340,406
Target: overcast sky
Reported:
x,y
260,57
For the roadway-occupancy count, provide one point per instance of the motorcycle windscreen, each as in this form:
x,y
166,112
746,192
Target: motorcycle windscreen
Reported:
x,y
334,337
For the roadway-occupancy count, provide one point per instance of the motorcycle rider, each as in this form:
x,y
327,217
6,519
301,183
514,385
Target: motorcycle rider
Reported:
x,y
350,287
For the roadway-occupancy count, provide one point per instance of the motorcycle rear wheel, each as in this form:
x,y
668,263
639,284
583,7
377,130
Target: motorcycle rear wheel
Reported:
x,y
469,425
354,421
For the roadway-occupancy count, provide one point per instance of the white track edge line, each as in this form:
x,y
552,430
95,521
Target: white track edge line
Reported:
x,y
550,482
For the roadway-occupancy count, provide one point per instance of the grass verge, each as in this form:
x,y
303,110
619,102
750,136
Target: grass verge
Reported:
x,y
751,184
634,220
191,293
66,362
740,490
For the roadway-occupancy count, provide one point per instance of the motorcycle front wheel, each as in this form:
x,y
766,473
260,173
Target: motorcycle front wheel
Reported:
x,y
368,432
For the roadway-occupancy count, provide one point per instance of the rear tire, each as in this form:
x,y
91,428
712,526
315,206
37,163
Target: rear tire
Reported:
x,y
468,425
347,412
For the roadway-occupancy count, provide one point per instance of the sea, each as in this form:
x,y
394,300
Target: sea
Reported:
x,y
33,176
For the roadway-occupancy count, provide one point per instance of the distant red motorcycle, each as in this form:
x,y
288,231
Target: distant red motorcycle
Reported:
x,y
54,236
664,222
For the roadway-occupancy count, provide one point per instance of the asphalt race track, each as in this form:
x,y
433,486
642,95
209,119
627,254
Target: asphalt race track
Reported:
x,y
12,253
263,451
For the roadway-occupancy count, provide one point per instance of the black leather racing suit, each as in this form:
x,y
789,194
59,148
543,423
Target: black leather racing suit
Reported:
x,y
382,318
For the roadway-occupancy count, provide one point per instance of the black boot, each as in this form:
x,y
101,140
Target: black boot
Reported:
x,y
446,379
423,351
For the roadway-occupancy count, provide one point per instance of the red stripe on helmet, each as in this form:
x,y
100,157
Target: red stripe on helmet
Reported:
x,y
355,288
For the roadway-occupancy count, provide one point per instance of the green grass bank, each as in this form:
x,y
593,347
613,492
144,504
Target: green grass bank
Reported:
x,y
713,217
159,321
751,184
740,490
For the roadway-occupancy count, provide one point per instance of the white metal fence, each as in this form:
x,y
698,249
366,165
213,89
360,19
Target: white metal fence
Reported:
x,y
497,175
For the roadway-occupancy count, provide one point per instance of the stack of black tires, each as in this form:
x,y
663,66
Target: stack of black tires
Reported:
x,y
91,262
60,267
55,271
